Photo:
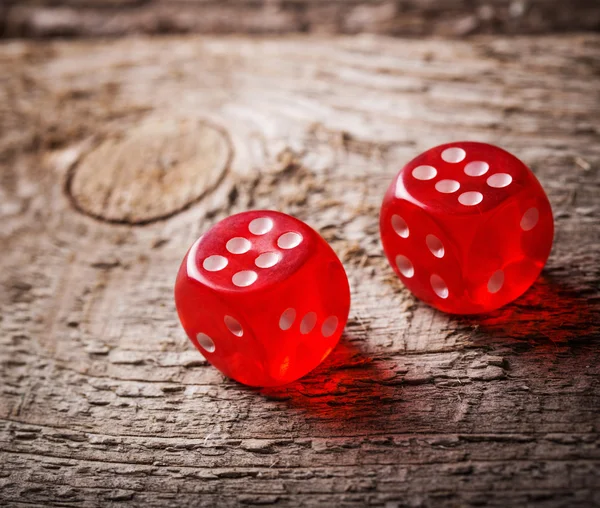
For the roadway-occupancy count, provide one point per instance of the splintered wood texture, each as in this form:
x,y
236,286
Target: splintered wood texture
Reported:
x,y
103,397
85,18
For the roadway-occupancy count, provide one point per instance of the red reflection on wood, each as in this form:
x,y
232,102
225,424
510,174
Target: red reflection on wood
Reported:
x,y
349,388
549,314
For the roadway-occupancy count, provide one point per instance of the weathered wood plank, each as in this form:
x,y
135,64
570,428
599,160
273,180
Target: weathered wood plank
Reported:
x,y
50,18
104,399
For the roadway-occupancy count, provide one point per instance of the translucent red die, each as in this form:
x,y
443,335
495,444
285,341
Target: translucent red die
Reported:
x,y
467,227
263,297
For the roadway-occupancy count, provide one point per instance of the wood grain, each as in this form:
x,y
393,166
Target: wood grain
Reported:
x,y
102,18
150,172
104,400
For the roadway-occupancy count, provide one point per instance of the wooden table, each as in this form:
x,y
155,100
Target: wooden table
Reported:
x,y
116,155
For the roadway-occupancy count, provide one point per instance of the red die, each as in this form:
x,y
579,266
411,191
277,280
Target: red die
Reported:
x,y
263,297
467,227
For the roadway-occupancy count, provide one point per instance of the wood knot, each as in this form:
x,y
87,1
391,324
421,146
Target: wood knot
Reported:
x,y
150,172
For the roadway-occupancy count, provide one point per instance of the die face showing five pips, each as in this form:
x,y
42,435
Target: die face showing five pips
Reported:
x,y
463,178
466,226
263,297
251,251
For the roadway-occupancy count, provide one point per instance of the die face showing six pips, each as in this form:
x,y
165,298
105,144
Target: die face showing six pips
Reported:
x,y
263,297
466,226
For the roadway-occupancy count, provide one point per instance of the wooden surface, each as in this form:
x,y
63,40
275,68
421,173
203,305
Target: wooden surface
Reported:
x,y
115,156
74,18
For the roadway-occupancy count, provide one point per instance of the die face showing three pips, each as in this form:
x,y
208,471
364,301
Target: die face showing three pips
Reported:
x,y
263,297
467,227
